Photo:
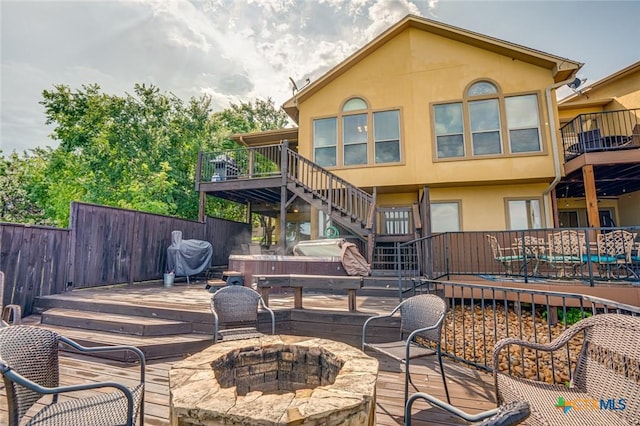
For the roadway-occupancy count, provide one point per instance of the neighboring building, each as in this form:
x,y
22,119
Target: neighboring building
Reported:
x,y
442,128
601,139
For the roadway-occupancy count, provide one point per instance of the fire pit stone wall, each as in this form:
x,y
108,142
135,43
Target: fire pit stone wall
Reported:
x,y
275,380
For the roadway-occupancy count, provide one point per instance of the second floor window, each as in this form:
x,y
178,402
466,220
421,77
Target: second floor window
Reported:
x,y
487,122
358,136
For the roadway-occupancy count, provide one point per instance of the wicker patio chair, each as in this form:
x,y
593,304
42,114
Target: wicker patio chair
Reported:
x,y
606,369
30,369
504,254
11,314
509,414
421,319
236,307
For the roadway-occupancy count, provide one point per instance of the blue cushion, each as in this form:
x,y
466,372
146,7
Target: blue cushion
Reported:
x,y
600,259
561,259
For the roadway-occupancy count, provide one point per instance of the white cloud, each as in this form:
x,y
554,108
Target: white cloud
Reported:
x,y
240,50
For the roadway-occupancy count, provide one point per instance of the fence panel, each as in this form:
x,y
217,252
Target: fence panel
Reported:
x,y
34,260
112,245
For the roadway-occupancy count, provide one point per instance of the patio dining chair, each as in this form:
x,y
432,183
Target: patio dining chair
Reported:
x,y
508,414
532,248
565,251
30,369
504,255
11,313
614,250
236,307
421,319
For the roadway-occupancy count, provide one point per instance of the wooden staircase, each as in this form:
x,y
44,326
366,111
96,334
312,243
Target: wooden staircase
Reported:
x,y
346,204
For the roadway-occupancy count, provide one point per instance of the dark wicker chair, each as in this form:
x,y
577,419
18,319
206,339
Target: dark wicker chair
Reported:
x,y
607,369
236,307
421,319
29,367
11,314
509,414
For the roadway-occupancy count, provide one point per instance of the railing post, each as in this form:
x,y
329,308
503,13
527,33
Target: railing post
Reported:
x,y
252,154
330,195
199,171
283,195
203,195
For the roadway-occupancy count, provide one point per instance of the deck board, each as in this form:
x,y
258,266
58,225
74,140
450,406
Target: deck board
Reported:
x,y
471,390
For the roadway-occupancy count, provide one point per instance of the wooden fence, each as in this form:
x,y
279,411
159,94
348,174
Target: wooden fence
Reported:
x,y
34,260
104,245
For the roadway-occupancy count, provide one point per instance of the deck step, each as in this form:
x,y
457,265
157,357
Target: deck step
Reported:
x,y
115,323
153,347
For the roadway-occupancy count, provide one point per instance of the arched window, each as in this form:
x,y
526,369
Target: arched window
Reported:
x,y
357,136
354,104
477,126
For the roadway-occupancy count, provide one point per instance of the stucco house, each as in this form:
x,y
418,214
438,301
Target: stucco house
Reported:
x,y
428,128
600,130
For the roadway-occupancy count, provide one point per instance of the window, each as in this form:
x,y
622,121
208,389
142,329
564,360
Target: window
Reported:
x,y
365,136
524,214
354,138
324,141
386,138
479,123
485,127
449,130
522,119
445,216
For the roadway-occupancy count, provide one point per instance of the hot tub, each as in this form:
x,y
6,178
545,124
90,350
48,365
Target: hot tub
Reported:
x,y
271,264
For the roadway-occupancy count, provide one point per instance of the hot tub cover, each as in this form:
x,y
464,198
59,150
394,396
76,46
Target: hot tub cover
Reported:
x,y
188,257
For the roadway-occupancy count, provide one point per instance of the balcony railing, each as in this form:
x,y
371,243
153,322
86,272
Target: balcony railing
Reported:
x,y
587,255
255,162
602,131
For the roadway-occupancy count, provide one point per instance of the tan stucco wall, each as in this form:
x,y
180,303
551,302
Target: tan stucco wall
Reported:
x,y
624,92
411,72
630,209
484,207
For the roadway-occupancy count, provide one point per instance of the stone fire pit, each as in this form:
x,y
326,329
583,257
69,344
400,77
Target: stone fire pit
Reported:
x,y
274,380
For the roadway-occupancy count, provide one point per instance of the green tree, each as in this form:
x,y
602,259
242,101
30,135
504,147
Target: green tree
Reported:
x,y
19,187
138,151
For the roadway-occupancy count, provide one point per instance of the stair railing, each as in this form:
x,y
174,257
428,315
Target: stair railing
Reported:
x,y
339,194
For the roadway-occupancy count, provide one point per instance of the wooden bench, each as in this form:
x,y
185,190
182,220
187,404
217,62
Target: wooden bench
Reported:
x,y
299,282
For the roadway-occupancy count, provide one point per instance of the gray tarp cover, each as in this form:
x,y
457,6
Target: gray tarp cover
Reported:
x,y
188,257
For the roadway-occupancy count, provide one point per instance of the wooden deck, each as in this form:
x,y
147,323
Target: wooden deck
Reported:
x,y
470,390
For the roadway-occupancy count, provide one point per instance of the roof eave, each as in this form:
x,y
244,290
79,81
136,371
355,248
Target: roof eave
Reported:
x,y
561,68
267,137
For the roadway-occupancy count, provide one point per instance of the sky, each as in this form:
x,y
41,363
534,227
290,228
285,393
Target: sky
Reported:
x,y
243,50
